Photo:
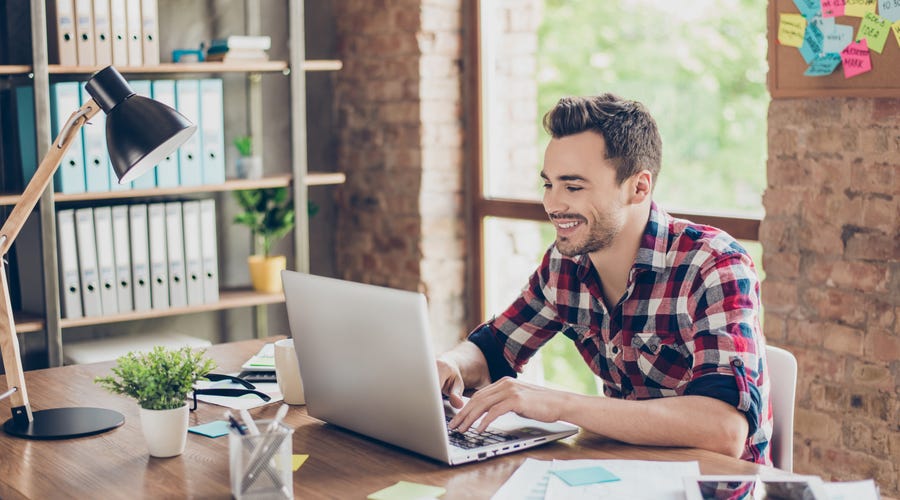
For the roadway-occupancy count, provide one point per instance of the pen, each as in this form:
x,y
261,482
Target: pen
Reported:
x,y
248,421
279,416
235,424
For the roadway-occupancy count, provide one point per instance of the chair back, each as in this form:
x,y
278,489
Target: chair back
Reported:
x,y
782,391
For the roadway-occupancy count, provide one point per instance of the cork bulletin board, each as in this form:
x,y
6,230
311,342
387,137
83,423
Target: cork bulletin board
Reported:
x,y
787,66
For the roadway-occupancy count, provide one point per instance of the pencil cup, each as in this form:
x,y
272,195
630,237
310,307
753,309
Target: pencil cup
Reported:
x,y
260,465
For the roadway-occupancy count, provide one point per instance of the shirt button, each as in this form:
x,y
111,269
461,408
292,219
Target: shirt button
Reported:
x,y
737,362
615,349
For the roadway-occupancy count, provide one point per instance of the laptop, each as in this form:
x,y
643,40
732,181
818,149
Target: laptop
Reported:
x,y
367,365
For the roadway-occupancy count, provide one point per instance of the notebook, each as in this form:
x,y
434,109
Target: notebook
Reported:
x,y
367,365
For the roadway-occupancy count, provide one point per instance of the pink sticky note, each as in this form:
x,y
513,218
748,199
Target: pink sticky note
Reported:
x,y
856,59
833,8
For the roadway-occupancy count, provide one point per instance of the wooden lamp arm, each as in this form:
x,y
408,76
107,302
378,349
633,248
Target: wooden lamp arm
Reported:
x,y
9,343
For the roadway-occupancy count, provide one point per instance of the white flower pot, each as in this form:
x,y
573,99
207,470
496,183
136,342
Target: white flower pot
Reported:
x,y
165,431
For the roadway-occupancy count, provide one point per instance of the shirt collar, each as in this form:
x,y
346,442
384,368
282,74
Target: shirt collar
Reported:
x,y
655,241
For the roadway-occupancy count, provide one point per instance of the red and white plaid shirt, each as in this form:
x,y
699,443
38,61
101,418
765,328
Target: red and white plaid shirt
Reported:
x,y
688,323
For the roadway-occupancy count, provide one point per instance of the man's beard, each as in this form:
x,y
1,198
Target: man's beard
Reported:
x,y
601,234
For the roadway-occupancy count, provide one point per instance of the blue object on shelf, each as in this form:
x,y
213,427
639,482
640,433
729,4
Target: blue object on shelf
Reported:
x,y
190,54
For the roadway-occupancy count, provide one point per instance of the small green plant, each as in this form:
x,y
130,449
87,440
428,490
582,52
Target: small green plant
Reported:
x,y
160,379
244,145
269,214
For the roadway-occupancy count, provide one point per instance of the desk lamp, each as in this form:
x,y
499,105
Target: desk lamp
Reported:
x,y
139,133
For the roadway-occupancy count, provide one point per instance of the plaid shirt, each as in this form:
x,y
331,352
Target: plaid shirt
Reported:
x,y
688,323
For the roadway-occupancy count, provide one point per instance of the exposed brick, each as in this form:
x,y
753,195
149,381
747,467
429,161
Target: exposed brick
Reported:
x,y
831,304
816,425
874,375
862,276
779,296
882,345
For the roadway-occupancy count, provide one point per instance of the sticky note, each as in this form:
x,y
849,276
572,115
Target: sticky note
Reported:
x,y
404,490
297,461
825,24
858,8
832,8
812,43
586,475
874,29
890,10
896,29
791,28
809,8
823,65
213,429
840,37
856,59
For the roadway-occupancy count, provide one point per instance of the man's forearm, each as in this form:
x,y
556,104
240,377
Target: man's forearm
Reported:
x,y
471,362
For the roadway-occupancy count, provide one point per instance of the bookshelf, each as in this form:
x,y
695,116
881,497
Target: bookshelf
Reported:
x,y
292,172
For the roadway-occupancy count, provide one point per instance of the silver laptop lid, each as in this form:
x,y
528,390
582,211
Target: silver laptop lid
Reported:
x,y
365,362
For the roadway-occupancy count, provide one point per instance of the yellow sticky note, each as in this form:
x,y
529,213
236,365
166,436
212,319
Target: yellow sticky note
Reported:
x,y
791,28
297,461
405,490
858,8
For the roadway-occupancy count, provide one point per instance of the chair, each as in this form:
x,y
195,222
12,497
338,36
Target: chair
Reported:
x,y
782,389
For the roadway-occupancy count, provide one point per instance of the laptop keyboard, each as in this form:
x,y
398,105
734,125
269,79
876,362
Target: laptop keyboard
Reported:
x,y
472,439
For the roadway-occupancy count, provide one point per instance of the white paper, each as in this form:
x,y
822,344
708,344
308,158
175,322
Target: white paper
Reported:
x,y
528,482
852,490
245,402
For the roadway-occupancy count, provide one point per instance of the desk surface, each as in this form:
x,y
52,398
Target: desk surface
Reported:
x,y
340,465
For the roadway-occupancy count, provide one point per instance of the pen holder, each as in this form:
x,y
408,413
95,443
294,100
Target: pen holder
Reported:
x,y
260,466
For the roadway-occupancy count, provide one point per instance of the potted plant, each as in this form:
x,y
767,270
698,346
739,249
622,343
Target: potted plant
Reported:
x,y
248,165
269,214
160,380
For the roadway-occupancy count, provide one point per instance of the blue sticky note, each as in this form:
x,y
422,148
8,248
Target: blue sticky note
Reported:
x,y
213,429
823,65
812,43
809,8
840,36
587,475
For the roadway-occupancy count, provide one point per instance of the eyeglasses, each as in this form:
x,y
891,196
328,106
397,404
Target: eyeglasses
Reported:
x,y
228,392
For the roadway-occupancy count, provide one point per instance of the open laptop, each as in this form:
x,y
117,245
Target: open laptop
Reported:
x,y
367,365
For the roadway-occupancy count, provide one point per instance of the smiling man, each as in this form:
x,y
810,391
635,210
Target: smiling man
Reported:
x,y
664,311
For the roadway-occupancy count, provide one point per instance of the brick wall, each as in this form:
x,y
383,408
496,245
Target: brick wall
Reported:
x,y
832,289
399,107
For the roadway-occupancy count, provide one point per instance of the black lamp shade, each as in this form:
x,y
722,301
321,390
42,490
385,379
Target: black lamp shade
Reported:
x,y
140,132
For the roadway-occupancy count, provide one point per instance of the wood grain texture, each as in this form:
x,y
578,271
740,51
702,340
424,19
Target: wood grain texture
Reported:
x,y
341,464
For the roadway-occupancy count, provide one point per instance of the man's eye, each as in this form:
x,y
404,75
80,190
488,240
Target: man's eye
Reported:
x,y
572,189
547,185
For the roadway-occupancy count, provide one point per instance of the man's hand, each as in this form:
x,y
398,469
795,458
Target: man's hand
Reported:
x,y
505,395
451,381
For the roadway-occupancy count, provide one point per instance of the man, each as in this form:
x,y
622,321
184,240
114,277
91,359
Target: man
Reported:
x,y
664,311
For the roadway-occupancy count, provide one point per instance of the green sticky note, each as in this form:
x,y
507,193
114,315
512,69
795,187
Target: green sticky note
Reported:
x,y
212,429
587,475
875,30
405,490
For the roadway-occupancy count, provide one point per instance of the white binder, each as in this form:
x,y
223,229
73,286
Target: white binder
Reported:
x,y
193,255
175,246
209,250
167,170
87,262
84,32
212,125
64,100
133,28
61,33
122,252
150,32
69,279
187,98
106,261
140,257
118,29
159,267
97,169
102,34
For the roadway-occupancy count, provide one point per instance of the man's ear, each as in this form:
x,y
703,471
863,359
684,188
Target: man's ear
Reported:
x,y
641,186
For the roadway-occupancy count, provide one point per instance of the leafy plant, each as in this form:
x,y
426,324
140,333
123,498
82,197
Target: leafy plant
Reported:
x,y
269,214
244,145
160,379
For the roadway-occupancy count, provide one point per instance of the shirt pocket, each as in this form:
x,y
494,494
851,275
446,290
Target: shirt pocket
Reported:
x,y
660,358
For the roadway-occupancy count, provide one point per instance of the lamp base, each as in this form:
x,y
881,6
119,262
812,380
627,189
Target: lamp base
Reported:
x,y
64,423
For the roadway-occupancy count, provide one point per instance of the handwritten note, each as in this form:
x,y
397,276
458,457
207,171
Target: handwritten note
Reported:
x,y
791,28
823,65
874,29
858,8
832,8
839,37
896,29
856,59
812,43
889,9
809,8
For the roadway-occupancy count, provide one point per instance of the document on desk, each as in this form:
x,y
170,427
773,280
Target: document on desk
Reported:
x,y
638,479
245,402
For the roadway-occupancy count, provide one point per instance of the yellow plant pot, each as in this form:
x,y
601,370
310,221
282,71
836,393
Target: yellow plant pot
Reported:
x,y
265,273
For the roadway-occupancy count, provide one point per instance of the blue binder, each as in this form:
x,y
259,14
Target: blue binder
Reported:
x,y
187,98
97,169
167,170
27,138
212,126
65,100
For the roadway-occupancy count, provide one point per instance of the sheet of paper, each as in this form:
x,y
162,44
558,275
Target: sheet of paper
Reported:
x,y
896,29
587,475
875,30
858,8
890,10
405,490
246,401
528,482
856,59
791,28
212,429
812,43
823,65
832,8
852,490
640,480
809,8
841,35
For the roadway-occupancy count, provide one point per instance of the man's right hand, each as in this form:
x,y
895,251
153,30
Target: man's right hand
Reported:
x,y
451,381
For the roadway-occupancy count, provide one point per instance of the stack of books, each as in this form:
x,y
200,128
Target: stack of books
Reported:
x,y
239,48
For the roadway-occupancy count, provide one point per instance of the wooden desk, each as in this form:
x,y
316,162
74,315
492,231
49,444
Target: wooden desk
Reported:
x,y
340,465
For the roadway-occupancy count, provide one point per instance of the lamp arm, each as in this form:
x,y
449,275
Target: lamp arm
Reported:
x,y
9,342
43,175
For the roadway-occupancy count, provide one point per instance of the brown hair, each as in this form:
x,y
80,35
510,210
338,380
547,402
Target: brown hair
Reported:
x,y
632,139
